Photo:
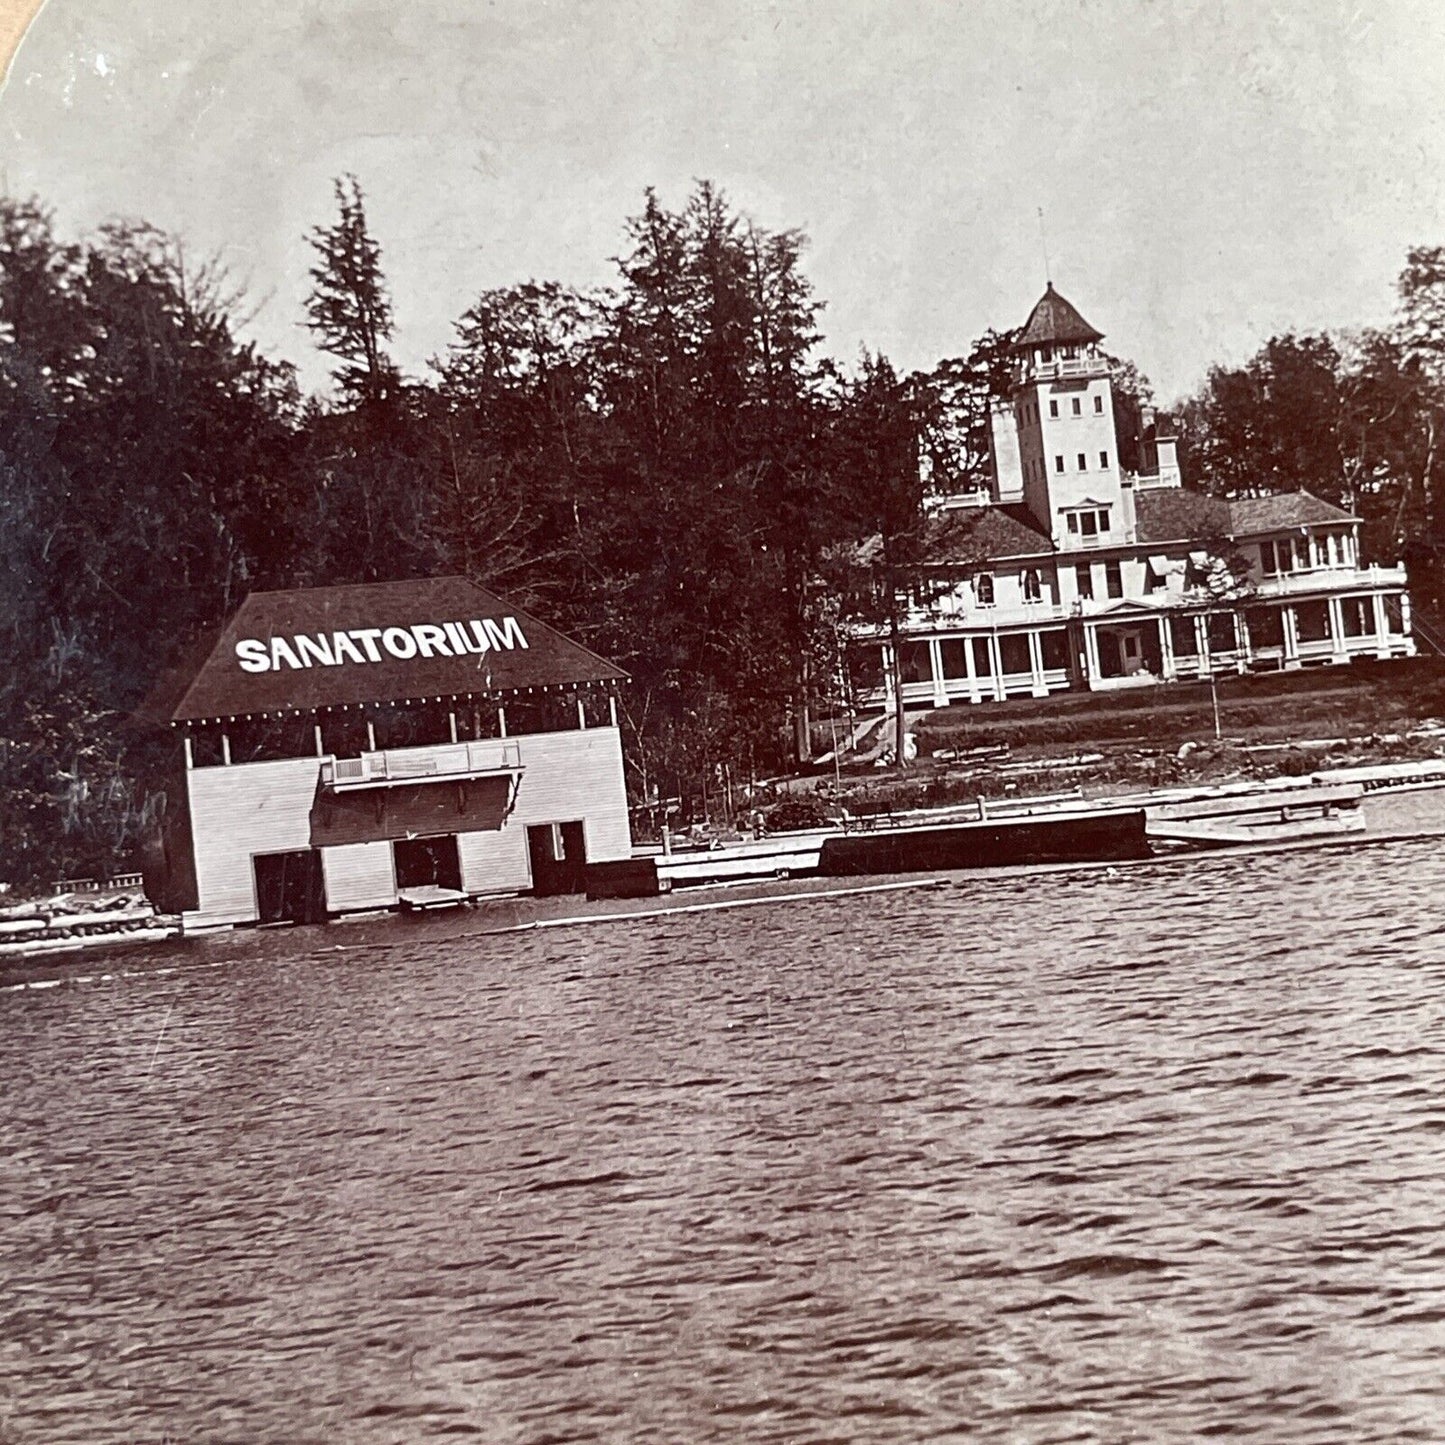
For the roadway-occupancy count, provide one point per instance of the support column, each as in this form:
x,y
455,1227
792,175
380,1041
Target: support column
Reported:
x,y
1201,645
935,666
190,755
1036,665
1091,654
581,715
891,700
1242,642
1166,650
1382,625
969,670
1290,623
995,662
1339,652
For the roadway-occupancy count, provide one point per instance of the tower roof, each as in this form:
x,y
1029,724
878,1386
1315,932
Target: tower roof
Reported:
x,y
1055,322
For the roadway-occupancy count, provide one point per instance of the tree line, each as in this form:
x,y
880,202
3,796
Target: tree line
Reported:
x,y
666,468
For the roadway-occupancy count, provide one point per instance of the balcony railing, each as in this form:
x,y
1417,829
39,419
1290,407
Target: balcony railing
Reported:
x,y
1330,579
1033,370
446,762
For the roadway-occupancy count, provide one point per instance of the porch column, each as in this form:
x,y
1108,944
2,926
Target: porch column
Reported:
x,y
1338,649
970,671
890,696
935,666
1382,625
1201,644
1241,641
995,662
1036,665
1166,650
1290,623
1091,654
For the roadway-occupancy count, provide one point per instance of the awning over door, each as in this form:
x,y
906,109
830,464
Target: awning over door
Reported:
x,y
415,810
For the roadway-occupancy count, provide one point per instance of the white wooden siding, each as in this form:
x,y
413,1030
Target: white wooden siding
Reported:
x,y
359,875
253,808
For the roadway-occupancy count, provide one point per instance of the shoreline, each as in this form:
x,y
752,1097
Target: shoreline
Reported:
x,y
524,914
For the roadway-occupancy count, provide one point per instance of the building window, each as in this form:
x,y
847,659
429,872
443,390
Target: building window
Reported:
x,y
1266,558
1078,407
1093,522
1084,581
1098,406
1114,579
1058,463
1053,406
1104,460
1083,462
1033,588
983,589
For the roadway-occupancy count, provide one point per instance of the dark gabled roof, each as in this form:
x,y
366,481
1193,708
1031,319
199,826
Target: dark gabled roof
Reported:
x,y
1172,514
1251,515
210,682
1055,322
977,534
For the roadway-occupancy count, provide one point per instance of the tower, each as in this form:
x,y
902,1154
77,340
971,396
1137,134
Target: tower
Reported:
x,y
1063,456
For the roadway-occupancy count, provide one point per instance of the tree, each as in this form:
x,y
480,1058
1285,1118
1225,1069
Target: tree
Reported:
x,y
348,308
877,441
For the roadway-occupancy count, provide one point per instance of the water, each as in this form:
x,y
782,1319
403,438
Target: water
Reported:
x,y
1150,1155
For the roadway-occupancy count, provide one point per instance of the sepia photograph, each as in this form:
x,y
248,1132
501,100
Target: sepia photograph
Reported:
x,y
722,722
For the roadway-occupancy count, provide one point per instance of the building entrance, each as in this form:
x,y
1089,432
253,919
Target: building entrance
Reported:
x,y
428,862
290,887
559,858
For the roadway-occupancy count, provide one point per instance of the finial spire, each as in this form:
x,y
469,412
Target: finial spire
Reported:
x,y
1044,246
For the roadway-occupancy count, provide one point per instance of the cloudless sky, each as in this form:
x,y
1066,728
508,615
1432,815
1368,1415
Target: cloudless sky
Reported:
x,y
1210,173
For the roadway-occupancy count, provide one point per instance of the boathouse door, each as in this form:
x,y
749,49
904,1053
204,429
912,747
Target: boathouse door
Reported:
x,y
290,887
558,853
428,862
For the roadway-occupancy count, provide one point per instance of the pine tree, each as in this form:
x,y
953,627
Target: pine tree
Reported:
x,y
349,308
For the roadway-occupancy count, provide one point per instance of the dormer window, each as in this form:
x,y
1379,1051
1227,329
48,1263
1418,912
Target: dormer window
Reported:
x,y
1088,523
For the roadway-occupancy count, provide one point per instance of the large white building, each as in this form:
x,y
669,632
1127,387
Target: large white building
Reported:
x,y
339,746
1070,572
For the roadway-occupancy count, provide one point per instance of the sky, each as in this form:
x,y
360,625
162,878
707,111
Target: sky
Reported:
x,y
1209,173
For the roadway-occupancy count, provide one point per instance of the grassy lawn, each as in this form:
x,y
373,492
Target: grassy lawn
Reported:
x,y
1355,701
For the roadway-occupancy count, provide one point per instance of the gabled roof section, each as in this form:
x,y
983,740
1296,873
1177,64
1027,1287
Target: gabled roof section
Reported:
x,y
1174,514
385,641
1055,322
983,534
1252,515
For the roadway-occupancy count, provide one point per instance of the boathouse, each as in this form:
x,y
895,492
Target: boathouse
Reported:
x,y
342,748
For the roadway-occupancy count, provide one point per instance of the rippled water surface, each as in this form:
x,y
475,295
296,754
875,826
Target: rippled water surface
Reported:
x,y
1155,1154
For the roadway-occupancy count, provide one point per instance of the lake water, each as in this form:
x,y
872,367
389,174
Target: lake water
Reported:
x,y
1147,1154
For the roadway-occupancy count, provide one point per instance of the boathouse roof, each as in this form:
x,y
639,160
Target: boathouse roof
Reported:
x,y
328,647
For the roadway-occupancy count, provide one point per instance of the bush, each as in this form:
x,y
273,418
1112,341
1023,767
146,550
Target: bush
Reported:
x,y
804,810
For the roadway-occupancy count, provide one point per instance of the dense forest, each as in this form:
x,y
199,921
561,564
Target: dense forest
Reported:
x,y
669,469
